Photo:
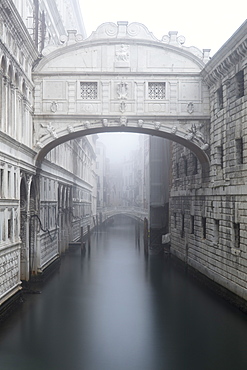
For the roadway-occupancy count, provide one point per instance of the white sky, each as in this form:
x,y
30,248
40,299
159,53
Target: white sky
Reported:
x,y
204,24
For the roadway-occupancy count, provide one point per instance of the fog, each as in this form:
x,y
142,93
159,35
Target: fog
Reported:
x,y
119,145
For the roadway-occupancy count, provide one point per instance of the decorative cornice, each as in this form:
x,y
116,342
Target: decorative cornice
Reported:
x,y
233,52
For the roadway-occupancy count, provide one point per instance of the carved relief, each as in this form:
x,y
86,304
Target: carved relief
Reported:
x,y
53,107
190,108
122,56
51,130
140,122
122,107
196,136
122,90
157,125
123,121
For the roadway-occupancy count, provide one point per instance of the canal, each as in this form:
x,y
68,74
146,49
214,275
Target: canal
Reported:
x,y
114,309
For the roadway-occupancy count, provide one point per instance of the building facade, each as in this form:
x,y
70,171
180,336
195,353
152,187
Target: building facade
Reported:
x,y
41,209
48,170
208,214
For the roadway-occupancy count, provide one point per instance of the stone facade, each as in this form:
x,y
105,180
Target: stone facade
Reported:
x,y
208,215
119,79
41,209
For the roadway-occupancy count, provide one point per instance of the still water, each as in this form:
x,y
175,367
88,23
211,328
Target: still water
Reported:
x,y
114,309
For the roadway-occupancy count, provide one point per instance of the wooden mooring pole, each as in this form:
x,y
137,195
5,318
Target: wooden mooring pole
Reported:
x,y
145,235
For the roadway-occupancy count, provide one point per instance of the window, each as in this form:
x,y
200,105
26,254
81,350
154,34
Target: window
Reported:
x,y
204,224
219,156
239,151
220,98
236,228
182,225
216,230
175,220
156,90
192,224
239,84
185,167
195,165
89,90
177,170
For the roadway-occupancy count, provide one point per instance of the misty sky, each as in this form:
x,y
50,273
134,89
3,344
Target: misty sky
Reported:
x,y
204,24
119,145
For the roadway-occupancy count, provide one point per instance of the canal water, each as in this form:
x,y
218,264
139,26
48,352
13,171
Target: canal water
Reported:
x,y
114,309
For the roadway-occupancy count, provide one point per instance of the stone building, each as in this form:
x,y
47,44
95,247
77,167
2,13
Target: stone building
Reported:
x,y
41,208
208,212
145,85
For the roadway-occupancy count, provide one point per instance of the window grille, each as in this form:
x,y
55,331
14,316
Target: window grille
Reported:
x,y
204,227
192,224
236,227
89,90
239,151
156,90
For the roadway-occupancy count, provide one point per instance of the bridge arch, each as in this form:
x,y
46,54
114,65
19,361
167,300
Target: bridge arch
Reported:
x,y
122,79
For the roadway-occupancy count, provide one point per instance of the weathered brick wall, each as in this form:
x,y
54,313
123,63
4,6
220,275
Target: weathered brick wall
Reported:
x,y
208,218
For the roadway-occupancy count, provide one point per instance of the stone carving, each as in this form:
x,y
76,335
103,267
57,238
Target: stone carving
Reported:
x,y
157,125
122,107
39,145
140,122
123,121
86,124
174,130
53,107
51,130
105,122
122,53
190,108
122,90
70,129
196,136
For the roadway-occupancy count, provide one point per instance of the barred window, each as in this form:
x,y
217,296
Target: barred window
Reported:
x,y
156,90
89,90
220,98
240,84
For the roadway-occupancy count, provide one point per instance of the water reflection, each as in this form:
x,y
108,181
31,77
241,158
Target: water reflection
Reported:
x,y
111,308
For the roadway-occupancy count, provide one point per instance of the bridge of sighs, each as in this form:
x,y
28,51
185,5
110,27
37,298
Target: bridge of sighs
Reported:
x,y
121,79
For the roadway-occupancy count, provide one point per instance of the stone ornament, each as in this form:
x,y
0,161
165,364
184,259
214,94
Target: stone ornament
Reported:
x,y
53,107
70,129
105,122
157,125
140,122
123,121
190,108
122,107
122,90
194,135
174,130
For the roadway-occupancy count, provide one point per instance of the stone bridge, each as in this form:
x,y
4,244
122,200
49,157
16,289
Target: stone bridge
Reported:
x,y
135,213
121,79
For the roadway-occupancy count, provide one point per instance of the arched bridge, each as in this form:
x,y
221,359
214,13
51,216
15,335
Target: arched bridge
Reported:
x,y
121,79
137,213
